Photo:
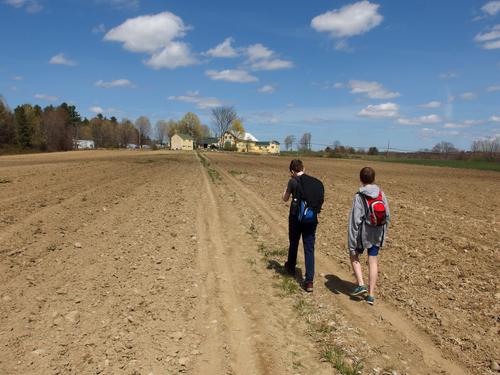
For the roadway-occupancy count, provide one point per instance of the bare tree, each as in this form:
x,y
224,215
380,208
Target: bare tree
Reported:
x,y
222,118
161,130
305,142
444,148
489,146
144,126
289,141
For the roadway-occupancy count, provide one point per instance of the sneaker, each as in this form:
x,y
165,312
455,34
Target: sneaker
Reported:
x,y
308,286
360,289
370,300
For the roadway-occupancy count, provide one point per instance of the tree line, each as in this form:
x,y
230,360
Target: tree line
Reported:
x,y
56,128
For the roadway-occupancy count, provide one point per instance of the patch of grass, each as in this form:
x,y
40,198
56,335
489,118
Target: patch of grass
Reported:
x,y
336,357
214,175
302,307
204,160
467,164
236,173
289,285
271,253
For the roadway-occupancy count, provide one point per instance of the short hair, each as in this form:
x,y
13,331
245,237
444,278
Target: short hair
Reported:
x,y
296,165
367,175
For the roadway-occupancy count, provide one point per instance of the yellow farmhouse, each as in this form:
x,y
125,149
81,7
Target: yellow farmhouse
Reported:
x,y
181,142
250,144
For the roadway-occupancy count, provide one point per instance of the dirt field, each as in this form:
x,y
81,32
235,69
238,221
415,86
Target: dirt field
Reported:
x,y
124,262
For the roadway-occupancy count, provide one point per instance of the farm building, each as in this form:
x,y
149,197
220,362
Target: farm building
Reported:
x,y
208,143
248,143
84,144
181,142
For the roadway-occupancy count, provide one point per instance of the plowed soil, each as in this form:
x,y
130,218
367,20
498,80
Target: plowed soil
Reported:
x,y
125,262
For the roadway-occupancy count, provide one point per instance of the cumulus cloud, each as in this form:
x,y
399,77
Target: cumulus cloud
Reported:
x,y
263,58
104,111
429,119
491,8
432,104
266,89
495,118
231,75
200,101
380,110
155,35
490,39
468,96
225,49
116,83
174,55
350,20
60,59
373,90
46,97
31,6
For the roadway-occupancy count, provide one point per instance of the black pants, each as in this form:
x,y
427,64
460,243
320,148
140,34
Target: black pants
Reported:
x,y
308,233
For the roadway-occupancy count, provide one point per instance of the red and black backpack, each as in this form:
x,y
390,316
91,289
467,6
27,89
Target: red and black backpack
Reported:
x,y
375,211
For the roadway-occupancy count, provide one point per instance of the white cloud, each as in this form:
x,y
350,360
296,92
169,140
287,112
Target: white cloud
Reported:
x,y
453,125
429,119
350,20
46,97
99,29
231,75
223,50
122,4
17,78
174,55
31,6
494,88
491,8
373,90
148,33
380,110
495,118
266,89
463,124
200,101
468,96
430,132
116,83
104,111
155,34
263,58
432,104
60,59
490,39
338,85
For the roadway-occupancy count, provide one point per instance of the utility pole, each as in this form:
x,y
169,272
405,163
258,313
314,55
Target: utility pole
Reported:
x,y
388,147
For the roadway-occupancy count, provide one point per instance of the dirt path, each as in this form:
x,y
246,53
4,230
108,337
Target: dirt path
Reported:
x,y
382,326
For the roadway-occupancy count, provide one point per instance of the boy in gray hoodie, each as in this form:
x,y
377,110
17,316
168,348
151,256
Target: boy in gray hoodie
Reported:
x,y
366,230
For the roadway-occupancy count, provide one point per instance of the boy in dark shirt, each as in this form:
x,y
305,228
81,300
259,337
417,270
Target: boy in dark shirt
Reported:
x,y
297,228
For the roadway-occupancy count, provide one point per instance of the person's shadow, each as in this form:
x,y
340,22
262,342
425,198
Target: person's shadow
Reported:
x,y
338,286
280,269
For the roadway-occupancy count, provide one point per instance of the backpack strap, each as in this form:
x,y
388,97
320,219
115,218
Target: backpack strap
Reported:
x,y
365,204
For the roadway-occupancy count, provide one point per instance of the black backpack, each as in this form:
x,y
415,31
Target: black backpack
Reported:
x,y
311,196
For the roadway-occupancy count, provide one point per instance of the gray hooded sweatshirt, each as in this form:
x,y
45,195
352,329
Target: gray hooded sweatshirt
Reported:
x,y
360,234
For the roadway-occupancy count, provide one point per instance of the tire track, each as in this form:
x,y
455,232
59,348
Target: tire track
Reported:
x,y
243,355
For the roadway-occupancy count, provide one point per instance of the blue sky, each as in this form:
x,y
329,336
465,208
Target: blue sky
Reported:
x,y
363,73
